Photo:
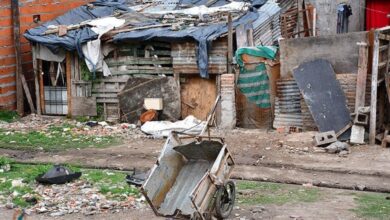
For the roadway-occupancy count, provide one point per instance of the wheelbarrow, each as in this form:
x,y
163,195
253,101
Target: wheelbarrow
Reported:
x,y
191,180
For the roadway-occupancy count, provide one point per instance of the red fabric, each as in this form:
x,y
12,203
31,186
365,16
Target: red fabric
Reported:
x,y
376,14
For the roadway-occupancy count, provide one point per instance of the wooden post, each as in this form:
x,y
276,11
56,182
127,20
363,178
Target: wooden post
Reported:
x,y
41,87
36,80
18,55
362,76
69,82
230,43
374,88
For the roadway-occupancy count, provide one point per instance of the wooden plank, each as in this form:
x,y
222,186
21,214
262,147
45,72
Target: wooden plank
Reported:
x,y
145,71
374,88
199,93
41,87
384,37
28,94
68,82
139,61
36,81
18,55
361,76
84,106
251,42
386,74
230,44
241,36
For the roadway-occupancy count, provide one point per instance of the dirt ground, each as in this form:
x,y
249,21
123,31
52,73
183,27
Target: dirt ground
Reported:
x,y
259,154
332,204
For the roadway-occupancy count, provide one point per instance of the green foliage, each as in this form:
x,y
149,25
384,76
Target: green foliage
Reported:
x,y
5,161
8,116
112,184
54,138
270,193
85,74
373,206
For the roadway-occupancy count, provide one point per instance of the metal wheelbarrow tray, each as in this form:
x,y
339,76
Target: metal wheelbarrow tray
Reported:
x,y
191,180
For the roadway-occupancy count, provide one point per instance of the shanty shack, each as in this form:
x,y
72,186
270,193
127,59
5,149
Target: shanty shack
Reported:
x,y
106,57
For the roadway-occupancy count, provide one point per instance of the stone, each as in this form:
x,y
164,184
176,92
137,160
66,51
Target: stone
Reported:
x,y
10,205
306,149
361,187
258,209
17,183
57,214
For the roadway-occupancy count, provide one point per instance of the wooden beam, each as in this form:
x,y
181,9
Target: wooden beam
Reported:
x,y
362,76
374,88
69,82
230,43
36,80
18,55
41,87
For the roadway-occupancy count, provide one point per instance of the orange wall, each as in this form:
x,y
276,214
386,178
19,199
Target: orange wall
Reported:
x,y
48,10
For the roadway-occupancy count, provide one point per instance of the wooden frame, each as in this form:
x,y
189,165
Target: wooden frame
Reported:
x,y
381,39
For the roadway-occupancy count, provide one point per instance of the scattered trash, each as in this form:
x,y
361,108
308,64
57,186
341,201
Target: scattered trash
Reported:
x,y
337,147
189,125
57,175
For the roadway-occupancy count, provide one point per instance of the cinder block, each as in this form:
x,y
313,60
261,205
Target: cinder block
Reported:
x,y
357,134
361,119
325,138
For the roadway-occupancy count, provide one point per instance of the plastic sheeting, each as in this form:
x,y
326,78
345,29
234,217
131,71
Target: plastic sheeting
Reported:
x,y
75,38
190,125
102,8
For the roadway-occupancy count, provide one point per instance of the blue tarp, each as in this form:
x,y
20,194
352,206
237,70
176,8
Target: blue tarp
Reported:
x,y
73,40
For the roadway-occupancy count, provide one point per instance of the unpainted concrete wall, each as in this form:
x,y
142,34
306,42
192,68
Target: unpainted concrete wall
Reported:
x,y
340,50
327,15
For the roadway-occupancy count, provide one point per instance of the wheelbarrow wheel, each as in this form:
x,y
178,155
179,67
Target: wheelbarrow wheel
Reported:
x,y
224,200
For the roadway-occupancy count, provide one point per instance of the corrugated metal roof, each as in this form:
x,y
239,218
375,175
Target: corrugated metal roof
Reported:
x,y
266,28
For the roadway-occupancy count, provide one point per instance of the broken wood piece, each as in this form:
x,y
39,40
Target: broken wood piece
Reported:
x,y
62,30
28,94
386,138
342,131
84,106
362,76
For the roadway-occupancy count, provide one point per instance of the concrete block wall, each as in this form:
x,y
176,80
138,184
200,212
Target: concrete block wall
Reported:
x,y
340,50
327,15
48,10
228,103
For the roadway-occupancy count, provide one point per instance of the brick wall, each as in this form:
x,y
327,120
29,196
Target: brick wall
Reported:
x,y
48,10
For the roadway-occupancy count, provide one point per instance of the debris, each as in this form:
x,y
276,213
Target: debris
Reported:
x,y
57,175
361,187
337,147
17,183
189,125
10,205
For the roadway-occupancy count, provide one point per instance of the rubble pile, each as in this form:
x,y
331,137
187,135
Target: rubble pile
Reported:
x,y
76,197
35,122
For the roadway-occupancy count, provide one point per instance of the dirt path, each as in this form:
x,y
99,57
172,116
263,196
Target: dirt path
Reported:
x,y
260,155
